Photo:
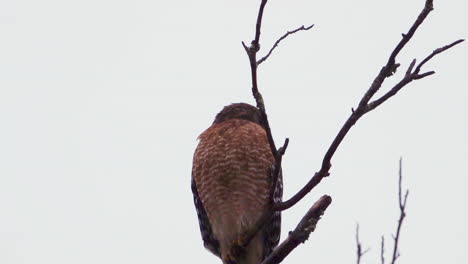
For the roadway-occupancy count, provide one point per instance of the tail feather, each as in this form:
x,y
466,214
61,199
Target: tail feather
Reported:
x,y
252,254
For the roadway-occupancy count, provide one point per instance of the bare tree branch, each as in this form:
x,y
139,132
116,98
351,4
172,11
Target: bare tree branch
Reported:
x,y
301,233
280,39
359,252
364,105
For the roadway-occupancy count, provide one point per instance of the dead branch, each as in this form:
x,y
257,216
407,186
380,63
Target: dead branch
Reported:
x,y
364,106
301,233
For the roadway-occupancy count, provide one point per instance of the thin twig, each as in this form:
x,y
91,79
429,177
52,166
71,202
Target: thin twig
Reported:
x,y
364,105
382,250
402,205
359,252
301,233
280,39
410,76
435,52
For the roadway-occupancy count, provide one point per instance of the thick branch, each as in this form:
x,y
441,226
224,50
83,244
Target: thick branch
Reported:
x,y
364,106
301,233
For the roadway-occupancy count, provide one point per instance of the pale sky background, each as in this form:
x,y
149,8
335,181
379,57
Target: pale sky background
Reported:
x,y
101,103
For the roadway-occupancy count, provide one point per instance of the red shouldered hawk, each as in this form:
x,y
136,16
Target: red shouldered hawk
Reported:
x,y
231,185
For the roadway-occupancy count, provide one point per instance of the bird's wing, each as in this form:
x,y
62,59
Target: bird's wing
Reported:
x,y
205,228
272,229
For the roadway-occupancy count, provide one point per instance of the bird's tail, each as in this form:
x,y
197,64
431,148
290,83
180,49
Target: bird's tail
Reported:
x,y
251,254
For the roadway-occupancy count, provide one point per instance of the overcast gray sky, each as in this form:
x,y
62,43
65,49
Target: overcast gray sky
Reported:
x,y
101,103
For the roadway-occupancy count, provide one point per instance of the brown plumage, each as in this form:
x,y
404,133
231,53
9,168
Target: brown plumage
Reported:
x,y
231,184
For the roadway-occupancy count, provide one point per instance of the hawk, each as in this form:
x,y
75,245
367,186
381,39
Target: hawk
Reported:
x,y
232,185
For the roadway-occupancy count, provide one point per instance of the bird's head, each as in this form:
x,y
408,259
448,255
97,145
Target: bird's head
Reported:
x,y
239,111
